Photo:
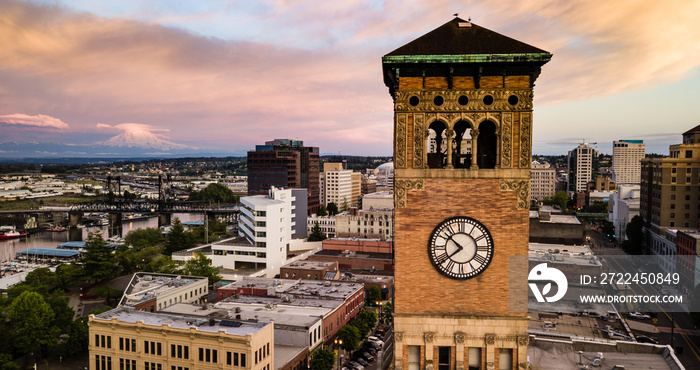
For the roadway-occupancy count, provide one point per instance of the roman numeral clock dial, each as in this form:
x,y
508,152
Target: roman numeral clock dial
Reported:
x,y
460,248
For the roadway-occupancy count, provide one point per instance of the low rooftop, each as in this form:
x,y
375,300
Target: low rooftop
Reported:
x,y
146,286
310,265
280,314
129,315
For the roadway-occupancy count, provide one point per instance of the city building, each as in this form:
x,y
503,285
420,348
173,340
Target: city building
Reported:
x,y
543,183
365,224
368,186
309,270
124,338
472,214
356,179
378,200
688,258
284,163
548,226
601,183
626,161
581,167
268,226
326,223
670,191
151,291
623,206
337,185
341,301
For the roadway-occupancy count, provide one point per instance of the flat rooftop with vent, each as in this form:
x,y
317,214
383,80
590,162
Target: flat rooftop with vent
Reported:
x,y
153,292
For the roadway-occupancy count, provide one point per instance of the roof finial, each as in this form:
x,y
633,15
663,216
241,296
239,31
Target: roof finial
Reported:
x,y
469,19
456,14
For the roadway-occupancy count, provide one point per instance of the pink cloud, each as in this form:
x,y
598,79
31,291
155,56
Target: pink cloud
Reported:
x,y
39,120
282,84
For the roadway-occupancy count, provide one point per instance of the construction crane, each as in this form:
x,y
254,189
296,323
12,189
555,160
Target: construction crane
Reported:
x,y
583,141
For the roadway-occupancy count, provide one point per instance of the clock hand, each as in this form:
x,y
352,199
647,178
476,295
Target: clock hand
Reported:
x,y
459,249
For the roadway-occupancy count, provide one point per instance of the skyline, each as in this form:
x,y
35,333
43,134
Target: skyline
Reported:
x,y
231,75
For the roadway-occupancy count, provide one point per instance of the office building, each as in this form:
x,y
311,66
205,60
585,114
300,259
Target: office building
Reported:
x,y
543,183
670,186
626,161
336,183
284,163
581,167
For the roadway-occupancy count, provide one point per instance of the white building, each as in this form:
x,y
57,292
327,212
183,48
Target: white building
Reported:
x,y
543,183
336,185
626,165
268,224
624,205
581,167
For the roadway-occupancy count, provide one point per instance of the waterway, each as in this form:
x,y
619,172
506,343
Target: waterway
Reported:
x,y
47,239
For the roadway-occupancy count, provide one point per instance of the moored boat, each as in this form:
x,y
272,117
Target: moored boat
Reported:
x,y
12,234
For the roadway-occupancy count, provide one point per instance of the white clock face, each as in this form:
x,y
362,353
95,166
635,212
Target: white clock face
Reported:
x,y
460,248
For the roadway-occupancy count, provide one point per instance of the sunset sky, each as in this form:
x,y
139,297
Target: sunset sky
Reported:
x,y
228,75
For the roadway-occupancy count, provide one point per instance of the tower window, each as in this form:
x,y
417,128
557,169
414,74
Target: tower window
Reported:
x,y
414,100
512,100
488,100
438,100
463,100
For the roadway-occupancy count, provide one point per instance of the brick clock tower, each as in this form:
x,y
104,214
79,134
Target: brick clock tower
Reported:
x,y
462,153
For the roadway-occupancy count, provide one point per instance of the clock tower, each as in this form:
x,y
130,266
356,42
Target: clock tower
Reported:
x,y
462,153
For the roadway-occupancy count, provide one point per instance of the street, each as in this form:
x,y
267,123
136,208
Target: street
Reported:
x,y
686,337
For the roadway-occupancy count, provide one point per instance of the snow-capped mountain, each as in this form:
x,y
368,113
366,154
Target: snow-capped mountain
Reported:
x,y
143,139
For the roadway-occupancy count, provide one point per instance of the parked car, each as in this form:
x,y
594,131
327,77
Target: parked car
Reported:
x,y
374,345
639,316
645,339
355,365
367,356
360,361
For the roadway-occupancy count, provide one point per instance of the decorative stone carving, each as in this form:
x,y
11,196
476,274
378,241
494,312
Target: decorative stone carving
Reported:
x,y
506,137
523,340
400,189
525,142
490,366
398,336
490,339
459,365
476,118
426,100
459,338
401,141
418,141
522,187
429,337
428,364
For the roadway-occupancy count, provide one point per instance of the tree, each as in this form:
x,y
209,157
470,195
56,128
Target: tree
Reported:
x,y
332,209
6,362
560,198
388,312
178,239
31,319
350,336
635,237
322,359
214,193
42,277
365,321
76,340
322,211
99,263
141,238
316,234
374,294
200,265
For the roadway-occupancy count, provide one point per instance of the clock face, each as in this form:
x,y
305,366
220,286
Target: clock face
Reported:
x,y
460,248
